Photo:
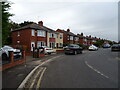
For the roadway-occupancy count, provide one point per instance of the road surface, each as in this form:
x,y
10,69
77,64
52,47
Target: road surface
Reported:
x,y
92,69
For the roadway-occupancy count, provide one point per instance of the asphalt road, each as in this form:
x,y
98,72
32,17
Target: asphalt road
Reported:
x,y
92,69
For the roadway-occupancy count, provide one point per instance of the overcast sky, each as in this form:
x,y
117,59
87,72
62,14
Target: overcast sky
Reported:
x,y
94,18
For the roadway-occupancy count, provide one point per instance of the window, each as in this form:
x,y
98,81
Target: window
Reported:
x,y
61,36
68,38
61,45
52,35
71,37
76,38
52,44
18,34
41,43
18,41
33,32
57,35
41,33
85,39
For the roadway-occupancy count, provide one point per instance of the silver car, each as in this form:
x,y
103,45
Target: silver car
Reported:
x,y
4,52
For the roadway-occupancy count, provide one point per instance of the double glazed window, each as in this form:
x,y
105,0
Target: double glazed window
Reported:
x,y
41,33
76,38
52,44
41,43
61,36
71,37
52,35
33,32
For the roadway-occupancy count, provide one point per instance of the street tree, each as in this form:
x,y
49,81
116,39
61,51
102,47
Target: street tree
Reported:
x,y
6,22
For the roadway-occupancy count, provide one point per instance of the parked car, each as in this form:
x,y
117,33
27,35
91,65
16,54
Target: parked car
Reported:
x,y
92,48
48,50
106,46
115,47
73,49
4,52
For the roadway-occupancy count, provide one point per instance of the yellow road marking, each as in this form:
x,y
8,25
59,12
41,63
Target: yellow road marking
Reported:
x,y
33,82
39,81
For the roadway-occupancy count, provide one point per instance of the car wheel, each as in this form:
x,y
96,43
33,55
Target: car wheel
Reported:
x,y
66,54
4,56
80,52
49,53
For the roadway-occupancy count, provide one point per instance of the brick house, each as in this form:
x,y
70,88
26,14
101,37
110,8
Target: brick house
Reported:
x,y
34,35
68,37
30,36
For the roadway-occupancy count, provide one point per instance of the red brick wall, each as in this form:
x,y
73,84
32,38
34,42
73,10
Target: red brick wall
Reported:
x,y
52,40
25,38
81,41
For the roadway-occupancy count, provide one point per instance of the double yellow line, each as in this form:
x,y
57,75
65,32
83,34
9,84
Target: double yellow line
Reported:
x,y
42,70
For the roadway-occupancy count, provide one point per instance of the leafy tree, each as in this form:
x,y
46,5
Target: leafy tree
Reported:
x,y
14,25
5,22
99,43
25,23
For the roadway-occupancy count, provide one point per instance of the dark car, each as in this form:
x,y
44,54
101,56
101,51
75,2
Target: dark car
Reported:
x,y
106,46
73,49
115,47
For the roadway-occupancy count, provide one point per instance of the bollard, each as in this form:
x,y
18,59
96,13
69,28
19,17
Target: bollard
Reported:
x,y
38,53
33,52
11,56
23,55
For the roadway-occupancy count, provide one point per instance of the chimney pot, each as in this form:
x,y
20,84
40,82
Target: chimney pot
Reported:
x,y
40,23
68,30
81,34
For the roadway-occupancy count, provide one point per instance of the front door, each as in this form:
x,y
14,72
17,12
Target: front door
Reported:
x,y
32,45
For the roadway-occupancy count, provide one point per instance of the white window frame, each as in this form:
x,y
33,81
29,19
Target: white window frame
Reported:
x,y
68,37
71,37
33,32
41,33
52,35
61,36
41,43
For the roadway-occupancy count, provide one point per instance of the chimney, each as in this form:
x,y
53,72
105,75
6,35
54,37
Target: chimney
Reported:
x,y
81,34
68,30
40,23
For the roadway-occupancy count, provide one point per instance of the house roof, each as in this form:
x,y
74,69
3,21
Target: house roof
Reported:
x,y
46,28
35,26
70,33
32,26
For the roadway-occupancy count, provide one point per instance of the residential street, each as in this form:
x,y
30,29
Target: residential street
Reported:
x,y
92,69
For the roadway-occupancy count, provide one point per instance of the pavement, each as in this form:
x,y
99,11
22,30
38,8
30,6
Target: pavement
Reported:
x,y
13,77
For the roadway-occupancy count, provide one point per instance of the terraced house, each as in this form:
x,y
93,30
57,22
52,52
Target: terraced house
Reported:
x,y
36,35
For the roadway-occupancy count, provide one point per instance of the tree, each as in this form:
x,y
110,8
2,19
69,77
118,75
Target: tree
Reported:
x,y
5,22
25,23
99,43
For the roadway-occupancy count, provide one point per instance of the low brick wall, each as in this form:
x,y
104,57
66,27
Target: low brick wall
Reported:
x,y
29,54
12,62
59,51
